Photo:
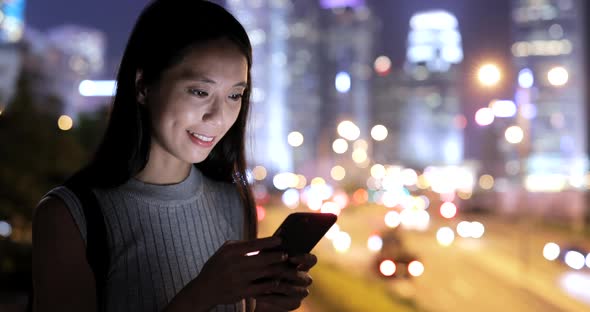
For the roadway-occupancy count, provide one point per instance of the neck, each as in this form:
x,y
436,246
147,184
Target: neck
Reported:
x,y
164,170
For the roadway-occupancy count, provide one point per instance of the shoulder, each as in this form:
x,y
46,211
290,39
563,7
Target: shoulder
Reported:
x,y
61,202
49,210
60,270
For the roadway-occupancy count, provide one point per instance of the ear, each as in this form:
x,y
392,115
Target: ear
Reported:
x,y
140,88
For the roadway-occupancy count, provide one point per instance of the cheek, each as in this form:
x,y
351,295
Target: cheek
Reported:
x,y
171,117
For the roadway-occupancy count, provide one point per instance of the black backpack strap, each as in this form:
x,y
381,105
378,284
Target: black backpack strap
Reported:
x,y
97,252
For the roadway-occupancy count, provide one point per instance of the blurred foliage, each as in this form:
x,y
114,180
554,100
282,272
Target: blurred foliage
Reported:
x,y
36,155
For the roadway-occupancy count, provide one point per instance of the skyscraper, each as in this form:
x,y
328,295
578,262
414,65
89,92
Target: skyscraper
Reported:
x,y
347,32
421,105
266,24
74,54
548,53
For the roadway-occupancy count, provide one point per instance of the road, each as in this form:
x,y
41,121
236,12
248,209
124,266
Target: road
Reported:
x,y
503,271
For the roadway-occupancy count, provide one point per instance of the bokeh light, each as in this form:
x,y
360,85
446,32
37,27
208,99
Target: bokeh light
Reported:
x,y
445,236
259,173
65,122
375,243
514,134
360,196
484,116
359,156
382,65
551,251
330,207
558,76
575,260
342,82
387,267
526,78
448,210
340,146
392,219
464,229
338,173
295,139
378,171
5,229
360,144
379,133
291,198
341,242
477,229
489,75
348,130
416,268
503,108
486,182
409,177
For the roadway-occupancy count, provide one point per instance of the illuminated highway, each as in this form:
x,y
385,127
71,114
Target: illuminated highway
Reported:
x,y
487,274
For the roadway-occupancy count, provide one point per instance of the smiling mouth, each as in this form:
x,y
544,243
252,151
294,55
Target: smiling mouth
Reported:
x,y
201,137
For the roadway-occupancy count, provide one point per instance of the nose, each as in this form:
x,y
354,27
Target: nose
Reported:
x,y
214,112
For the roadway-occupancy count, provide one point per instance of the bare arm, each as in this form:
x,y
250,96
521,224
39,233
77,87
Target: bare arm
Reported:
x,y
62,278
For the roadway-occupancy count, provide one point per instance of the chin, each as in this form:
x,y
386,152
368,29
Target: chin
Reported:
x,y
195,159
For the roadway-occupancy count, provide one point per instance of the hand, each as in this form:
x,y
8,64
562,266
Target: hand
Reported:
x,y
230,275
304,262
297,281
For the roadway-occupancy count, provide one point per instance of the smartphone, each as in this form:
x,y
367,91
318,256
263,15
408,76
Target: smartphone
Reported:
x,y
301,231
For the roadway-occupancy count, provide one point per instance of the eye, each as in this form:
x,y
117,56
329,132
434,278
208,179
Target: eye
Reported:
x,y
197,92
236,97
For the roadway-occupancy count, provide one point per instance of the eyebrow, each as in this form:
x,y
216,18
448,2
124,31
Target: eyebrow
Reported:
x,y
191,75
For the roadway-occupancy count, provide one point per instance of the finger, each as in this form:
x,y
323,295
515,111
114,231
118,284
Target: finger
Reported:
x,y
263,259
290,290
304,262
262,305
263,287
274,271
297,278
245,247
283,303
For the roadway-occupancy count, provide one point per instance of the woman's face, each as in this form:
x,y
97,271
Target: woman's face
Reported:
x,y
196,102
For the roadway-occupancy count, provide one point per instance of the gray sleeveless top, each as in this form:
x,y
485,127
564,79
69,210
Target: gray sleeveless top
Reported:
x,y
160,236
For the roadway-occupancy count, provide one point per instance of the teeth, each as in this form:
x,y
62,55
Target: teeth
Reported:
x,y
201,137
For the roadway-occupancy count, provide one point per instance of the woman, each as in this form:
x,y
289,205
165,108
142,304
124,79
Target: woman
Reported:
x,y
168,176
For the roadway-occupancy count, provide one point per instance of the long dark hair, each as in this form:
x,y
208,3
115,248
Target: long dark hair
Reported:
x,y
163,34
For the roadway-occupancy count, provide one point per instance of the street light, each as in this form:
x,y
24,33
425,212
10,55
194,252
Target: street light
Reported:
x,y
489,75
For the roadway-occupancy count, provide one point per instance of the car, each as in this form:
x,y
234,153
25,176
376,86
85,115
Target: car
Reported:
x,y
394,260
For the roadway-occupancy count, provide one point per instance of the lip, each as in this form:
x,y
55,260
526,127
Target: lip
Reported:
x,y
200,142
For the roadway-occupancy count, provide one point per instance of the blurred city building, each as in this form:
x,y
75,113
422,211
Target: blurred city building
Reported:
x,y
12,21
59,61
267,26
74,54
348,31
301,48
421,106
549,56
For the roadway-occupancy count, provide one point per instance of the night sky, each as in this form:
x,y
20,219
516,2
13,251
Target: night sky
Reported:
x,y
484,25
